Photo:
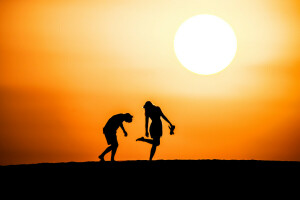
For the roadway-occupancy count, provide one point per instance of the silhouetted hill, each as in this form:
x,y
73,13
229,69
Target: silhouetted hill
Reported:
x,y
172,177
178,166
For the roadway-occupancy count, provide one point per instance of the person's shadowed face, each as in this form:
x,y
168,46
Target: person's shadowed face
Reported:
x,y
128,118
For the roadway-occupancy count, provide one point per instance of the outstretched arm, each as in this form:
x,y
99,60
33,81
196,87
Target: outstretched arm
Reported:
x,y
171,127
122,127
165,118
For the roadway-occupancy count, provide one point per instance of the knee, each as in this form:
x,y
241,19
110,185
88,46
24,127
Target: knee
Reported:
x,y
156,143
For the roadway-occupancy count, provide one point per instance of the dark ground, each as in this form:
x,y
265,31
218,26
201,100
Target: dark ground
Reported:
x,y
164,167
173,178
193,165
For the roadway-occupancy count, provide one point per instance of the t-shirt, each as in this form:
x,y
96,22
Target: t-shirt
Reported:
x,y
113,124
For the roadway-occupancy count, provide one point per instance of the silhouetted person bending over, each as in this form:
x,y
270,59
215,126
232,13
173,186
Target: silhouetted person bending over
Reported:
x,y
110,132
154,113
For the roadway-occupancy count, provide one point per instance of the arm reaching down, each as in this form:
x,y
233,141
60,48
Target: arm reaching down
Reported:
x,y
122,127
171,126
165,118
146,126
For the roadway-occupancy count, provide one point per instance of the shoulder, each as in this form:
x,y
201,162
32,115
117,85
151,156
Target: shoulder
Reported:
x,y
117,116
120,116
157,109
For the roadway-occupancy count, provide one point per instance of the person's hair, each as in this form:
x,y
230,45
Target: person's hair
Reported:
x,y
148,104
128,117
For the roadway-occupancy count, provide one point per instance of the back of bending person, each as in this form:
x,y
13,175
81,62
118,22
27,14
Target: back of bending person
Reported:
x,y
110,132
154,113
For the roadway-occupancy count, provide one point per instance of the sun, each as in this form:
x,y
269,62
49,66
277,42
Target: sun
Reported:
x,y
205,44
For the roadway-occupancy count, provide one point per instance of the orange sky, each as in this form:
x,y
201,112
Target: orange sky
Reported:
x,y
67,66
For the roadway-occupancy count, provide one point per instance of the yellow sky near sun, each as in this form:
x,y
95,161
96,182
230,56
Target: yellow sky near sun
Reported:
x,y
67,66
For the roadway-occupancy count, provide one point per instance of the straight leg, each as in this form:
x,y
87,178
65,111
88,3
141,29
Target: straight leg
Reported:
x,y
113,152
108,149
152,152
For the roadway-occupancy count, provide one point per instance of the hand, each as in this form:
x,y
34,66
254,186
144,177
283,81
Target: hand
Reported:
x,y
147,134
125,134
171,127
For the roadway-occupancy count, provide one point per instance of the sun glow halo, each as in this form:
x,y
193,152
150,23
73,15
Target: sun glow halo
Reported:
x,y
205,44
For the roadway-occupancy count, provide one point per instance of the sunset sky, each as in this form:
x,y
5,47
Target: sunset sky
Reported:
x,y
67,66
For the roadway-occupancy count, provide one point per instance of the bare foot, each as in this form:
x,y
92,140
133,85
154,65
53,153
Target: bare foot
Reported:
x,y
140,139
101,158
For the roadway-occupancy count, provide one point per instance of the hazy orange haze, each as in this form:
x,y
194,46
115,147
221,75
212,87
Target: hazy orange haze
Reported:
x,y
67,66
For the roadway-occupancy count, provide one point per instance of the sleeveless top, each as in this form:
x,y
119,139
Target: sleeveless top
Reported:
x,y
156,126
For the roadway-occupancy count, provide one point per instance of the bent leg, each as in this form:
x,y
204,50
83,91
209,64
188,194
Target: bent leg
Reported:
x,y
150,141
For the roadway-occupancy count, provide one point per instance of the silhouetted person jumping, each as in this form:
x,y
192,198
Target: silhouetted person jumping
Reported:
x,y
154,113
110,132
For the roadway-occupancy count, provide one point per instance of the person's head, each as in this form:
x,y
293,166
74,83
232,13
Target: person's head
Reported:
x,y
148,105
128,117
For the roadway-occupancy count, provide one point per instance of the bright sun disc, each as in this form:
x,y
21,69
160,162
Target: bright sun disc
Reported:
x,y
205,44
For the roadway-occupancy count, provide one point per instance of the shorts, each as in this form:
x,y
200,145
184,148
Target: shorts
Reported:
x,y
111,138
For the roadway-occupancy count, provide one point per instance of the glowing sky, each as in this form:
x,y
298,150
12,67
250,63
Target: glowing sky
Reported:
x,y
67,66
